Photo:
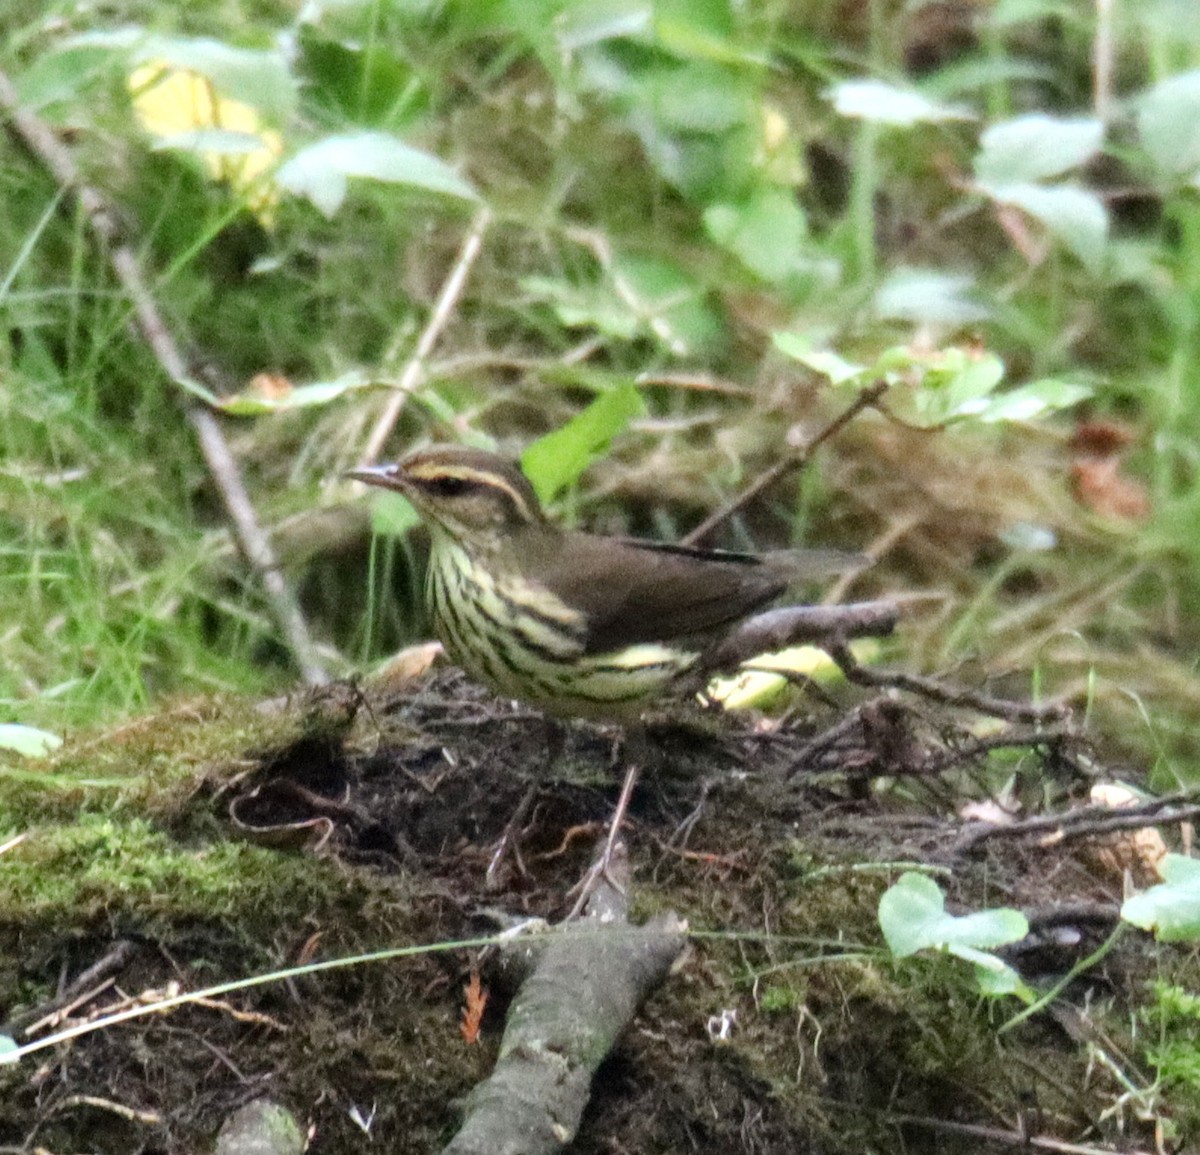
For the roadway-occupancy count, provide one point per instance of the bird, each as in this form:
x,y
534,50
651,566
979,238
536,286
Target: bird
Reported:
x,y
576,624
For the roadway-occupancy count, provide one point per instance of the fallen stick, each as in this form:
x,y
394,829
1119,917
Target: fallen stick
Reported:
x,y
584,982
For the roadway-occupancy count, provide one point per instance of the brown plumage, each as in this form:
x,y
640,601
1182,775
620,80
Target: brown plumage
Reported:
x,y
579,624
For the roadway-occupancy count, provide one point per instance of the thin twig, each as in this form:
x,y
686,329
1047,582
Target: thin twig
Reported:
x,y
105,968
1085,822
61,1014
973,747
414,371
925,763
948,695
40,140
150,1118
865,400
844,728
1011,1138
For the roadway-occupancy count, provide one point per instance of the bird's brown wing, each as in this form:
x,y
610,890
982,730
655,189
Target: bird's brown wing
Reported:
x,y
633,591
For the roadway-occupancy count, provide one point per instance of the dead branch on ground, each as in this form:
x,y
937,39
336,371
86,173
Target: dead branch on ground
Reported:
x,y
585,980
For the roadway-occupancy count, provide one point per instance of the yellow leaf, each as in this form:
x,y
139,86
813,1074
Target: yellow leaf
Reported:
x,y
178,106
757,686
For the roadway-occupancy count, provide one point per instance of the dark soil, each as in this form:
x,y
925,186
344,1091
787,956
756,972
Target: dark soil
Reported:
x,y
367,820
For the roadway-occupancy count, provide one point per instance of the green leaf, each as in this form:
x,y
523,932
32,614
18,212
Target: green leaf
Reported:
x,y
823,361
882,103
696,98
261,79
558,459
934,387
61,75
684,39
793,345
1076,216
708,18
360,78
589,22
699,123
912,915
319,172
1034,147
929,297
192,386
1172,908
254,401
994,976
581,306
9,1051
211,142
392,515
961,385
28,741
976,74
1168,121
668,302
1029,402
765,231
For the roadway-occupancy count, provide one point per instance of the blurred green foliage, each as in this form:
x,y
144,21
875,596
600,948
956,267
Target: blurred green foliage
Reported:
x,y
742,212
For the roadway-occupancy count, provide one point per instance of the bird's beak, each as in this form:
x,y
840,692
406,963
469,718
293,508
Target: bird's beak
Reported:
x,y
384,476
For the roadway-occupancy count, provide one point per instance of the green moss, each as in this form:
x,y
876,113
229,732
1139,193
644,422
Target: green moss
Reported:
x,y
151,766
122,825
1172,1048
778,998
101,865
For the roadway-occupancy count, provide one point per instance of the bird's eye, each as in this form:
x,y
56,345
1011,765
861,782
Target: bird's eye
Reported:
x,y
448,486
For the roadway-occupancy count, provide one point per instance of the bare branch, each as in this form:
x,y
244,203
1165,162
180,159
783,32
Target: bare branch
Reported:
x,y
948,695
1084,822
1020,1138
777,629
414,371
865,400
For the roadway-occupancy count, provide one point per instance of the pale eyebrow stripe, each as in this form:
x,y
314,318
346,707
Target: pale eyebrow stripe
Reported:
x,y
466,473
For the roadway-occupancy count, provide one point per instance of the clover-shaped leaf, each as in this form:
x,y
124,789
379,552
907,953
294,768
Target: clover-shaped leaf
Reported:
x,y
912,915
1172,908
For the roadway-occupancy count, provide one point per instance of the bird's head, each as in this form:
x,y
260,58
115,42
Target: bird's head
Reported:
x,y
480,499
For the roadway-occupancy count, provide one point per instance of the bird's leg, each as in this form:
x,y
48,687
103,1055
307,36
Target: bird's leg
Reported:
x,y
555,739
635,754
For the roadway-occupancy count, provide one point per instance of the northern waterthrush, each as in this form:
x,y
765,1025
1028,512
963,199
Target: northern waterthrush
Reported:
x,y
577,624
